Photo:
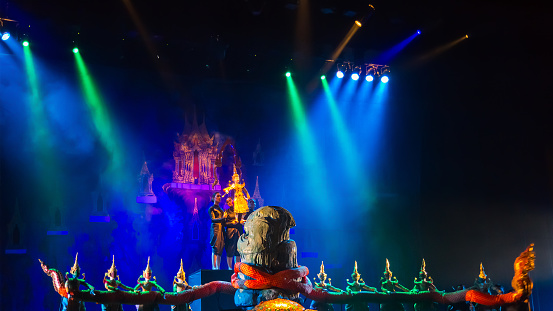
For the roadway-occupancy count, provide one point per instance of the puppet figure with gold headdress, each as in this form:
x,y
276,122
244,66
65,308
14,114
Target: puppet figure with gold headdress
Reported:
x,y
356,286
389,284
241,197
67,285
179,285
146,285
327,287
424,283
112,283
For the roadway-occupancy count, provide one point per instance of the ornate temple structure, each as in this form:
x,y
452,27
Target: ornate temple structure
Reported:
x,y
195,153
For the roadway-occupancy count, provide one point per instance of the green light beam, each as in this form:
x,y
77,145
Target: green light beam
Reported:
x,y
310,154
100,118
47,166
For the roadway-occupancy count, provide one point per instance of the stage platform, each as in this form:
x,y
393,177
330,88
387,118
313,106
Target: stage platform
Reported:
x,y
217,302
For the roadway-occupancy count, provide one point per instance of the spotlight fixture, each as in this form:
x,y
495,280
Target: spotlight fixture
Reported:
x,y
418,32
343,69
356,73
323,77
7,27
75,50
375,70
25,43
384,78
288,74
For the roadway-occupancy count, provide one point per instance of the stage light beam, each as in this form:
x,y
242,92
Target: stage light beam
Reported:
x,y
102,122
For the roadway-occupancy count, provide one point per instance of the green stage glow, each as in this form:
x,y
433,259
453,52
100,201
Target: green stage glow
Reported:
x,y
310,154
45,162
100,118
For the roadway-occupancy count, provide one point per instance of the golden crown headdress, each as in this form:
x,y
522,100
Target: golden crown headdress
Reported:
x,y
322,275
112,270
355,275
181,275
75,269
148,270
423,266
482,274
388,271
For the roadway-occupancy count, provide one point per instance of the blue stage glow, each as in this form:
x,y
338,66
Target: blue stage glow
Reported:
x,y
340,74
369,78
418,32
355,76
5,36
387,56
384,79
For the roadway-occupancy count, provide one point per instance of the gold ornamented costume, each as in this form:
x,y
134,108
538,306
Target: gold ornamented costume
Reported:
x,y
241,195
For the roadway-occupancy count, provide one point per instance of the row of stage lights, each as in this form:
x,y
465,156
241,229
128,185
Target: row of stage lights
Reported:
x,y
369,71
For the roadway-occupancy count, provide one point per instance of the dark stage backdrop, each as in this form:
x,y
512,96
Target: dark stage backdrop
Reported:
x,y
454,181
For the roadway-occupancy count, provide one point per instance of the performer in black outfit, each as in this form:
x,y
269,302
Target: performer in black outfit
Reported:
x,y
233,230
217,238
